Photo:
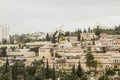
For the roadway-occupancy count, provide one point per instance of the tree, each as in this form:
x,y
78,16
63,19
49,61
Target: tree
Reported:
x,y
73,70
79,71
97,31
4,77
119,73
94,64
82,41
69,77
4,41
110,72
35,49
4,53
7,65
53,73
78,35
37,63
14,71
47,70
103,78
31,70
90,61
47,37
67,33
93,40
53,39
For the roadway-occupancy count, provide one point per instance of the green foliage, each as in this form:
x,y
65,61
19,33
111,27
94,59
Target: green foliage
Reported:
x,y
119,73
114,31
28,77
97,31
69,77
4,41
79,71
53,39
4,53
89,59
53,73
103,78
67,33
5,77
110,72
35,49
73,70
83,77
47,37
37,63
47,70
7,65
14,71
12,48
93,41
78,35
5,71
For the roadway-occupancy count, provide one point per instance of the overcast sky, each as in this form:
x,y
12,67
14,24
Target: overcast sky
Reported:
x,y
23,16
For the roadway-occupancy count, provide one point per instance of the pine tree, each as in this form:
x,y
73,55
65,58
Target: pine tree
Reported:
x,y
79,71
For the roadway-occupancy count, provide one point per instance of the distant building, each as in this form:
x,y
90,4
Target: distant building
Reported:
x,y
4,33
46,51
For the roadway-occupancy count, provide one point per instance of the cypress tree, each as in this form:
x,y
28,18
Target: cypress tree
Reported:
x,y
47,37
78,35
53,39
73,70
4,53
93,40
53,73
14,71
7,65
47,70
79,71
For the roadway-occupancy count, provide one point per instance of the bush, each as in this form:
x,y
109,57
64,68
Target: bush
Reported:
x,y
110,72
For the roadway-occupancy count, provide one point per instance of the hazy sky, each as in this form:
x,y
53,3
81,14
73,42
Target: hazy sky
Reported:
x,y
23,16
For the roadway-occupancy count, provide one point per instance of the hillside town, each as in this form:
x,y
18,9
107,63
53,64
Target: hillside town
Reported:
x,y
92,54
